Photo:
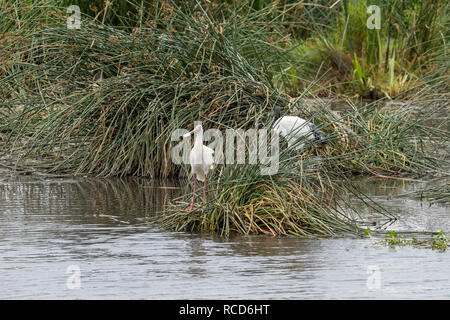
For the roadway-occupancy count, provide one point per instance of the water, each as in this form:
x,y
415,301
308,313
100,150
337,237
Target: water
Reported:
x,y
87,239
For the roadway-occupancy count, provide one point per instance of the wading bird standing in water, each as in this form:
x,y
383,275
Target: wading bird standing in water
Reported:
x,y
201,160
294,128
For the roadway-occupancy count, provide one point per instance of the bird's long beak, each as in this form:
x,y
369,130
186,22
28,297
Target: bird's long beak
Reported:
x,y
187,135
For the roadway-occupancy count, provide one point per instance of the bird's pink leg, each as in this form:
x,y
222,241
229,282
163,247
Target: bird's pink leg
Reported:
x,y
204,191
193,194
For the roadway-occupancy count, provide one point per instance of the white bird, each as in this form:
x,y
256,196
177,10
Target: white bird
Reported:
x,y
295,128
201,160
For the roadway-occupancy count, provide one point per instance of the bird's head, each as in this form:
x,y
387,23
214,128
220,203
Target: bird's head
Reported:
x,y
198,129
318,135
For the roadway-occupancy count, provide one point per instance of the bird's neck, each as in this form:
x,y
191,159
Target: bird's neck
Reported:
x,y
198,136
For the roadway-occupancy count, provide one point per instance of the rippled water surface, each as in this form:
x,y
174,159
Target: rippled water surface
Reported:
x,y
54,230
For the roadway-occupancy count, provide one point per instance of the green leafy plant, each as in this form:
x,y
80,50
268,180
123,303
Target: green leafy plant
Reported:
x,y
438,242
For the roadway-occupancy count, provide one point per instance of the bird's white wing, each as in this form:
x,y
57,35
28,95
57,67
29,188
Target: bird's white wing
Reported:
x,y
293,128
208,156
290,123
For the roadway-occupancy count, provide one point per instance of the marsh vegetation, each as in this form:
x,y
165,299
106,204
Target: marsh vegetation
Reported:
x,y
166,64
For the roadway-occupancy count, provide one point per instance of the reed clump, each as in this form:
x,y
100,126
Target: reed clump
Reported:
x,y
280,207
